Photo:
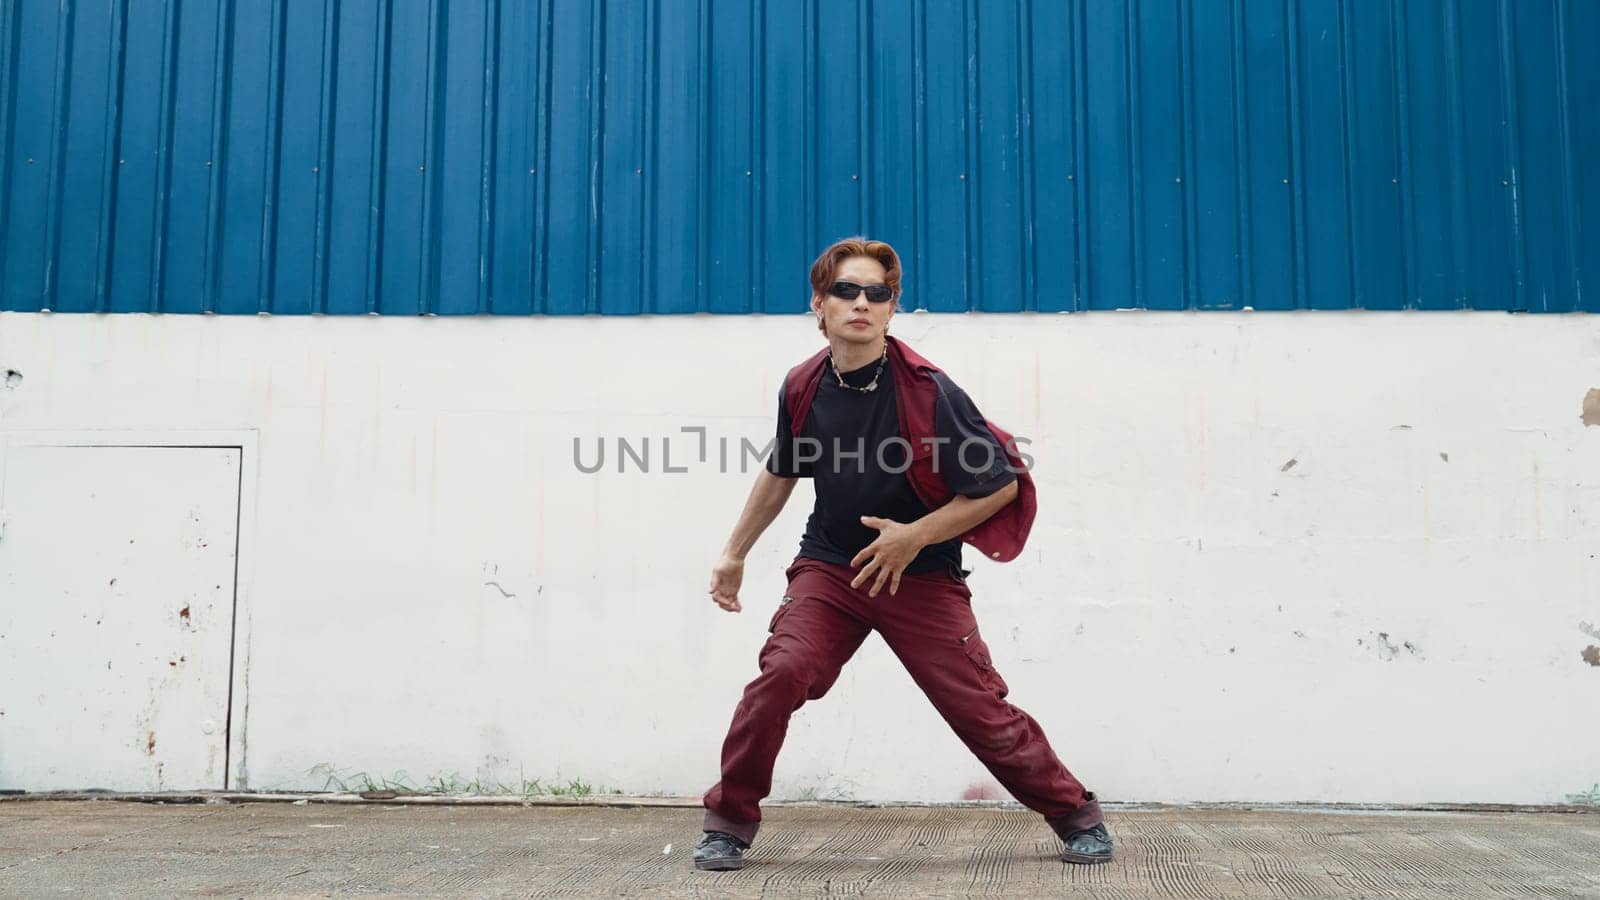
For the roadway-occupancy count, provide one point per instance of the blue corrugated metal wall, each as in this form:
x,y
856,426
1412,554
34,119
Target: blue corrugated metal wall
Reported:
x,y
616,156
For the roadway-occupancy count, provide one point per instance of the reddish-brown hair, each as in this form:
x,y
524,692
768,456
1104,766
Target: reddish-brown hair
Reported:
x,y
827,264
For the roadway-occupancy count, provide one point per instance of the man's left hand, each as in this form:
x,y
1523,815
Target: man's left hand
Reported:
x,y
886,557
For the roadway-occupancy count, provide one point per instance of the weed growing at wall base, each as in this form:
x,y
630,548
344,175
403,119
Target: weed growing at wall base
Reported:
x,y
1591,797
828,789
452,784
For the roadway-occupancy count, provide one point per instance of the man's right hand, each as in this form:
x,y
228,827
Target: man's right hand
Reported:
x,y
726,576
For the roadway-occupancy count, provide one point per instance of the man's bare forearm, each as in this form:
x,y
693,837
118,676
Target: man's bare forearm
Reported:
x,y
962,513
767,498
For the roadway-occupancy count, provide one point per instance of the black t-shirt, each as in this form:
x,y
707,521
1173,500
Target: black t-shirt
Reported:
x,y
872,482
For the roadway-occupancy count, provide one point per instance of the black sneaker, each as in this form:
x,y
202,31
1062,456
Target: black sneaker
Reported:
x,y
720,852
1087,847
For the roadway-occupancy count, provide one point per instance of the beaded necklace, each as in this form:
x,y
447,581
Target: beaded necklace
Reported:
x,y
871,385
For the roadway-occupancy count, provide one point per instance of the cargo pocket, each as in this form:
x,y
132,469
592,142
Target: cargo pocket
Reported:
x,y
784,606
978,652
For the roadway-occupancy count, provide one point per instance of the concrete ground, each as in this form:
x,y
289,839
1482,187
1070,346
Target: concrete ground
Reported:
x,y
226,847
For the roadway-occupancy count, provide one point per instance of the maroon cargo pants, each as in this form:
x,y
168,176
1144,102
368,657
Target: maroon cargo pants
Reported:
x,y
929,625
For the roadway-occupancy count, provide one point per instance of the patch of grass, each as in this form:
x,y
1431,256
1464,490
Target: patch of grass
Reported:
x,y
1591,797
359,782
577,787
825,790
452,783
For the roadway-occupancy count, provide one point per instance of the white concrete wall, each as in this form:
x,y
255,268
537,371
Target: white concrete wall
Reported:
x,y
1279,557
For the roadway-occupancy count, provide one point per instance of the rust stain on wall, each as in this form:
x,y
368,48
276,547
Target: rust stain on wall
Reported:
x,y
150,744
980,791
1591,407
1591,655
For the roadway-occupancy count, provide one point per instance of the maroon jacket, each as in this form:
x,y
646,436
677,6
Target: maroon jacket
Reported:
x,y
1002,535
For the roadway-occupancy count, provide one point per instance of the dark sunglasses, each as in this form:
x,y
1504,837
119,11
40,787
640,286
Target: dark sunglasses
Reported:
x,y
849,290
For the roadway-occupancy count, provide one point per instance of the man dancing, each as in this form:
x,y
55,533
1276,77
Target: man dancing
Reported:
x,y
905,469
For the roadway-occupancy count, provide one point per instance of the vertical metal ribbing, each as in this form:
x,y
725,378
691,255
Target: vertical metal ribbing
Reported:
x,y
61,108
758,211
1135,136
432,139
1513,138
222,79
811,163
647,153
268,255
702,216
1569,185
1297,192
542,182
1186,155
1402,106
1347,116
858,180
1080,160
596,90
8,106
973,159
1030,262
539,246
110,178
1366,260
861,182
164,136
1239,74
1456,113
488,156
321,235
380,156
919,153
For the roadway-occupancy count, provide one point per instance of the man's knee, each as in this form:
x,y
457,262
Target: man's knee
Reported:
x,y
1008,739
991,725
803,673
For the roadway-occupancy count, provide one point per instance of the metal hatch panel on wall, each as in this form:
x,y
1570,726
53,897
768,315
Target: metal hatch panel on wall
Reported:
x,y
117,586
